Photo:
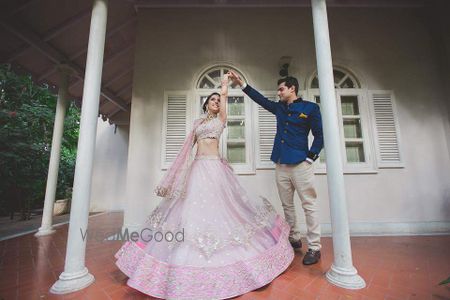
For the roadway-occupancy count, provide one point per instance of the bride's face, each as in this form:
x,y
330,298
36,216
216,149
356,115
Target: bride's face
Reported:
x,y
214,104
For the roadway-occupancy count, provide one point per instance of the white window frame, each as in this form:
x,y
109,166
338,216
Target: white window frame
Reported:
x,y
363,105
247,168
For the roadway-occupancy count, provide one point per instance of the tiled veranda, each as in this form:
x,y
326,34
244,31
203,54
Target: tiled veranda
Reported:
x,y
393,267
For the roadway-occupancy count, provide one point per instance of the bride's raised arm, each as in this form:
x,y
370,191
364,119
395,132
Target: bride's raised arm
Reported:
x,y
224,98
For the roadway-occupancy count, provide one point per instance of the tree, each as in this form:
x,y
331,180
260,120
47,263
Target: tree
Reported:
x,y
27,113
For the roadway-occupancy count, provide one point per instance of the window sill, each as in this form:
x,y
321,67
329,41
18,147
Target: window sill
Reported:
x,y
243,169
349,172
322,171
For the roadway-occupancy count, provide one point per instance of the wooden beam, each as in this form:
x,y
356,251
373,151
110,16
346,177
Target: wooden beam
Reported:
x,y
47,73
115,112
118,54
84,49
77,54
33,39
109,33
125,88
54,55
105,63
117,76
60,28
271,3
22,7
52,33
17,53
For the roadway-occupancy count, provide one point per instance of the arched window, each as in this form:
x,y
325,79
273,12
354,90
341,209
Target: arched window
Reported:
x,y
342,80
353,118
236,142
212,78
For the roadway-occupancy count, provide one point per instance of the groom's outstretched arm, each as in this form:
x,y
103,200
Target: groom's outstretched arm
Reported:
x,y
260,99
253,94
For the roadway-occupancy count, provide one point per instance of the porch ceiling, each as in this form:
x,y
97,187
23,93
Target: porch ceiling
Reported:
x,y
275,3
37,36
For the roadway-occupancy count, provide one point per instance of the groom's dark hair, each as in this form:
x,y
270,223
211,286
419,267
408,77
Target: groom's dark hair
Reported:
x,y
289,81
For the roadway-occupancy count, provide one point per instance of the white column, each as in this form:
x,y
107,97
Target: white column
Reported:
x,y
342,272
76,275
53,168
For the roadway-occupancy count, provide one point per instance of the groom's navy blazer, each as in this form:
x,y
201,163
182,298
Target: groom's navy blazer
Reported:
x,y
294,121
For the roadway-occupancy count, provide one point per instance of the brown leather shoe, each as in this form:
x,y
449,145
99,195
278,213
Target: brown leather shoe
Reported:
x,y
311,257
297,245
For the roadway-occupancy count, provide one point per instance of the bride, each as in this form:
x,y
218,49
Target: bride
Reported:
x,y
209,238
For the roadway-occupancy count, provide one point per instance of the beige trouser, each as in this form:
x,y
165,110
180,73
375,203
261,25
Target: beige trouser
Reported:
x,y
299,177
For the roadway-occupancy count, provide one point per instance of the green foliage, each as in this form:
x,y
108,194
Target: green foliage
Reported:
x,y
27,113
446,281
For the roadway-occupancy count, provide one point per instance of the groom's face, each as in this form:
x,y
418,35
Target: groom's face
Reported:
x,y
284,93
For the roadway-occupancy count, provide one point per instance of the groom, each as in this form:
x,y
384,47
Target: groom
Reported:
x,y
293,160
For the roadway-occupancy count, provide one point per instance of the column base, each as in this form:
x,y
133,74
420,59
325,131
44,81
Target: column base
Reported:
x,y
72,282
347,278
43,231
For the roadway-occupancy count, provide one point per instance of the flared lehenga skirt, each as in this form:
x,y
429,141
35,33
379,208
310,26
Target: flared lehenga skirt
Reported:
x,y
216,242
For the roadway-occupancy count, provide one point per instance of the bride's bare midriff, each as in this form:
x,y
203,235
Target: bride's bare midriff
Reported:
x,y
208,147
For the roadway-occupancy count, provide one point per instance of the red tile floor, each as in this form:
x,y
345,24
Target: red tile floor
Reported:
x,y
393,267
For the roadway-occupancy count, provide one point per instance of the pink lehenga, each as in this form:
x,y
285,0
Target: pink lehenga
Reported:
x,y
209,238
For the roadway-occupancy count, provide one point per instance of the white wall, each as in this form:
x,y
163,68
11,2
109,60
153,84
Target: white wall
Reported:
x,y
110,165
386,48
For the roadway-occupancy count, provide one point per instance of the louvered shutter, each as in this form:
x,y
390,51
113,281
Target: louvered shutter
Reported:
x,y
174,129
267,128
386,129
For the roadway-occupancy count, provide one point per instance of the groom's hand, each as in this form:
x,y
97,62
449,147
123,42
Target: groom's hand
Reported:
x,y
236,78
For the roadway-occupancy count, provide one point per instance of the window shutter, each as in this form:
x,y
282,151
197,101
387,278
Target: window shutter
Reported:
x,y
386,129
174,129
267,128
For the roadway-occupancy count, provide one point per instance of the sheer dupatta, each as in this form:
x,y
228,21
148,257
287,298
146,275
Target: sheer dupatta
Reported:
x,y
173,183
